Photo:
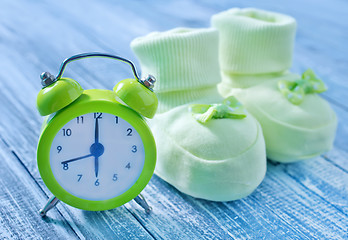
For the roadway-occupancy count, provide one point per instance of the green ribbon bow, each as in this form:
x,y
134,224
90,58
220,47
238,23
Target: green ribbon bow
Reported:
x,y
296,91
229,108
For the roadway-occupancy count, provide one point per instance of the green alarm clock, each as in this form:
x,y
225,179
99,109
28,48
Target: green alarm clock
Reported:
x,y
95,151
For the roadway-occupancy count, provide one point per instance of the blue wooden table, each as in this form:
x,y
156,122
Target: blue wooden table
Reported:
x,y
304,200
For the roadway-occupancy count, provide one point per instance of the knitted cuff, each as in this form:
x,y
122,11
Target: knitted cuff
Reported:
x,y
180,59
254,41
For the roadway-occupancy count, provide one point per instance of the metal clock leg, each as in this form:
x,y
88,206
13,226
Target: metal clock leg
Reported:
x,y
51,203
142,202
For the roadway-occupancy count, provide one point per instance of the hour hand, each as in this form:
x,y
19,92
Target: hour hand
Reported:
x,y
78,158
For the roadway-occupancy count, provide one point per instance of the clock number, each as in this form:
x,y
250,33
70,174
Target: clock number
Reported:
x,y
79,177
116,119
59,148
79,120
134,149
129,132
98,115
97,183
114,178
67,132
128,166
65,166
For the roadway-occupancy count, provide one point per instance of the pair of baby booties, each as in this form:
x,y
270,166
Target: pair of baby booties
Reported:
x,y
211,145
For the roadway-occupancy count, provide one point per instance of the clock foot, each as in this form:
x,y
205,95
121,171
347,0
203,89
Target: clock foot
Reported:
x,y
51,203
142,202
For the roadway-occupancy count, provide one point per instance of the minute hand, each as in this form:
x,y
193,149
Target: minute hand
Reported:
x,y
97,144
96,132
78,158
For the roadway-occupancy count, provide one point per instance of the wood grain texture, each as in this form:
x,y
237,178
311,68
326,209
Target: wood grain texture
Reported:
x,y
20,199
305,200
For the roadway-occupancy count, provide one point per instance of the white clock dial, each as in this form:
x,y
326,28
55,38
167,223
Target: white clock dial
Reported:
x,y
97,156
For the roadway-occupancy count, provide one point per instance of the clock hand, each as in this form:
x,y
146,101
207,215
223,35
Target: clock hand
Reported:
x,y
96,142
78,158
96,166
96,133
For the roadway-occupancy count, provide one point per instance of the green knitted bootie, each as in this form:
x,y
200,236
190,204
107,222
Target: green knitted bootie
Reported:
x,y
207,146
255,52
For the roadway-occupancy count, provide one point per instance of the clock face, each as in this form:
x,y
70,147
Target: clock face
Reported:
x,y
97,156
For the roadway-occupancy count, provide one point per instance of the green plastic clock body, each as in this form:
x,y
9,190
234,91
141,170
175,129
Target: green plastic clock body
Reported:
x,y
95,100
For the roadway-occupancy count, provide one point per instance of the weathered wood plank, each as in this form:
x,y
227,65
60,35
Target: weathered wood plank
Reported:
x,y
280,207
323,178
337,157
341,140
296,201
20,199
112,224
194,218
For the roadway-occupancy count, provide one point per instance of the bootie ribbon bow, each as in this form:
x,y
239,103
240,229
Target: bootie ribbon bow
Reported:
x,y
229,108
295,91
